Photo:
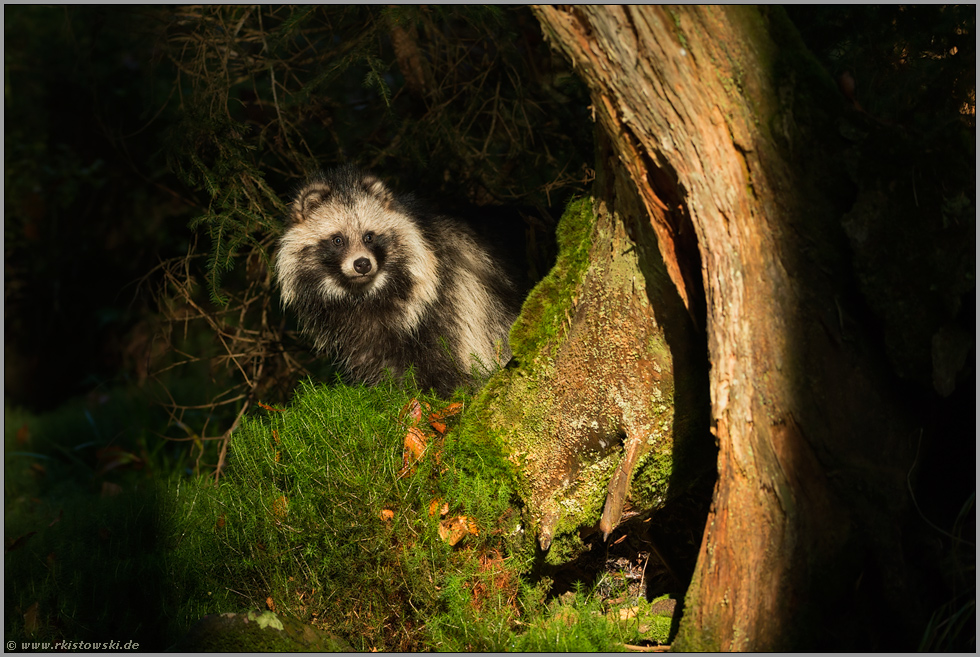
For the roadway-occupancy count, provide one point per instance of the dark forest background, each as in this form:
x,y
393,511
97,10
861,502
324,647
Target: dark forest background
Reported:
x,y
135,135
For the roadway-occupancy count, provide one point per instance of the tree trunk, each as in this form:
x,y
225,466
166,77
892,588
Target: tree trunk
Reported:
x,y
724,123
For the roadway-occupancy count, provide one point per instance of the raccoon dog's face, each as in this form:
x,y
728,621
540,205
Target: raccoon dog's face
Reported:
x,y
354,257
349,239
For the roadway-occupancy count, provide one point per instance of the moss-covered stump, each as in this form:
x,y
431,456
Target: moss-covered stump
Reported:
x,y
257,631
587,411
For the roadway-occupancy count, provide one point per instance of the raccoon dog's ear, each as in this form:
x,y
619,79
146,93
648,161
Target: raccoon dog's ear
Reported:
x,y
376,188
308,200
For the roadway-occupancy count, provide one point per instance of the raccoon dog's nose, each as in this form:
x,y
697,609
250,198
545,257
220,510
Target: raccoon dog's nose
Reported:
x,y
362,266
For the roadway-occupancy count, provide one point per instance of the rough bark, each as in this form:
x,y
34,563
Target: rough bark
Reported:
x,y
724,124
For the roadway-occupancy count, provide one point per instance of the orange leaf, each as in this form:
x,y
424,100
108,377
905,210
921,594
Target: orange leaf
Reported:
x,y
434,507
452,530
270,603
275,436
413,410
220,524
279,507
270,408
449,411
438,420
415,443
387,514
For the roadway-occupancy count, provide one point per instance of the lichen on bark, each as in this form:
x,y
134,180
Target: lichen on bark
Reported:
x,y
586,410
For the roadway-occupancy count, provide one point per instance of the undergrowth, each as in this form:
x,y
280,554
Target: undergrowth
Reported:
x,y
299,521
319,516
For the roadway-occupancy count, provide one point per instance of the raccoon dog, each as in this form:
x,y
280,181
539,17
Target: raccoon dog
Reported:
x,y
383,284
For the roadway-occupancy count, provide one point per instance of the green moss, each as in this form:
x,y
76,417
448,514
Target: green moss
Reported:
x,y
511,403
295,520
556,411
543,319
701,638
298,512
651,479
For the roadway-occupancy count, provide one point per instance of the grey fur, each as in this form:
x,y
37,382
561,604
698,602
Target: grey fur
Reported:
x,y
382,284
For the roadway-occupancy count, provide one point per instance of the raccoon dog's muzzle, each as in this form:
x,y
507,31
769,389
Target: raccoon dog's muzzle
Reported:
x,y
360,269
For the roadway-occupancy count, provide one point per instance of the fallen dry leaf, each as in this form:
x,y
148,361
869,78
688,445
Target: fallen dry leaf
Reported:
x,y
438,419
270,603
387,514
448,411
415,443
279,507
452,530
434,507
414,410
625,613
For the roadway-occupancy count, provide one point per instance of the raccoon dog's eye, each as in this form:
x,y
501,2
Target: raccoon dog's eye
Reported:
x,y
368,238
338,240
